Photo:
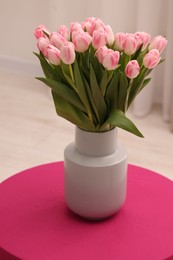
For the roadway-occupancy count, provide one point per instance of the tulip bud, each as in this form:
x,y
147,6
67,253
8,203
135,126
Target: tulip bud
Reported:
x,y
159,43
99,38
57,39
119,41
97,23
110,35
67,53
129,44
63,30
39,31
111,59
87,27
53,54
151,59
42,45
81,40
101,52
75,27
142,38
132,69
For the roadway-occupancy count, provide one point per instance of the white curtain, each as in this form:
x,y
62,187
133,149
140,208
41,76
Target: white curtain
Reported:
x,y
152,16
155,17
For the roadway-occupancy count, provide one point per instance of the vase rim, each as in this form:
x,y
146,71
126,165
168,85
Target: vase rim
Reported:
x,y
96,143
98,132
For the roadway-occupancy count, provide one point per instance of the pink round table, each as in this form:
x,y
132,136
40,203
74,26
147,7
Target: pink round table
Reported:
x,y
35,223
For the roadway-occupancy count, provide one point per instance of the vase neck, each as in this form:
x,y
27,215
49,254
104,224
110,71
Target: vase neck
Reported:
x,y
96,143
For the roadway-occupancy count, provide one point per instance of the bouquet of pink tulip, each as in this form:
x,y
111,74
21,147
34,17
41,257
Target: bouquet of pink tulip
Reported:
x,y
95,75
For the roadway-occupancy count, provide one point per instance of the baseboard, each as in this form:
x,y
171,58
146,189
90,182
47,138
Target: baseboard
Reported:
x,y
20,66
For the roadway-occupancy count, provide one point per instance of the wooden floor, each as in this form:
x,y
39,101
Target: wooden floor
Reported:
x,y
32,134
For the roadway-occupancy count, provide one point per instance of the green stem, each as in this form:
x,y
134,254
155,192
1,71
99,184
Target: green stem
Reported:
x,y
71,72
128,93
110,74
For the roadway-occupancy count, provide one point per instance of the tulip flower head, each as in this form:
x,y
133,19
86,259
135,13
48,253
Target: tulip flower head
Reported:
x,y
94,73
67,53
53,54
42,45
63,30
81,40
142,39
99,38
159,43
119,41
57,40
39,31
151,59
129,44
132,69
110,59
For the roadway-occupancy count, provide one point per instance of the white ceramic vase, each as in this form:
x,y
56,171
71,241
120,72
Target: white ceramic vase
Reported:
x,y
95,174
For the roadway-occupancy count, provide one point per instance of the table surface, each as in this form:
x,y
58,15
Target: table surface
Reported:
x,y
36,224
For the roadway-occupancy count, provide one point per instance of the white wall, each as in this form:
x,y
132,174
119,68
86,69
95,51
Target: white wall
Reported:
x,y
17,21
19,18
119,14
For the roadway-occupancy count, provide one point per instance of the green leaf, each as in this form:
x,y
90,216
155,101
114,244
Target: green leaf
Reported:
x,y
65,92
66,73
81,88
162,60
71,113
141,56
95,115
146,81
104,82
118,119
112,92
122,91
97,96
46,34
48,69
60,76
124,59
136,54
136,85
96,65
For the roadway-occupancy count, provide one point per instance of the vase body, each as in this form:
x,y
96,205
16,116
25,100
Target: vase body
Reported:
x,y
95,174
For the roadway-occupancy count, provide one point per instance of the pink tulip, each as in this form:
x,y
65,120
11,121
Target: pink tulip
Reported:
x,y
53,54
81,40
110,35
42,45
87,27
39,31
129,44
101,52
75,26
132,69
143,39
67,53
63,30
111,59
99,38
57,39
119,41
159,43
97,23
151,59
